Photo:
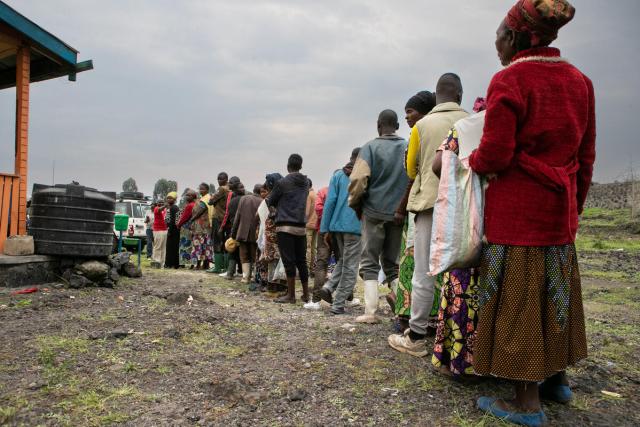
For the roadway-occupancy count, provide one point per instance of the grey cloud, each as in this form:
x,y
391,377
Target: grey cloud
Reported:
x,y
184,89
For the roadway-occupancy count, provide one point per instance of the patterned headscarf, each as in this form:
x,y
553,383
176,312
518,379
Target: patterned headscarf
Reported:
x,y
480,104
540,18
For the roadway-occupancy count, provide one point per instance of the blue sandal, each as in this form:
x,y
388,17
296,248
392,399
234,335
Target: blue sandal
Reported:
x,y
530,419
558,393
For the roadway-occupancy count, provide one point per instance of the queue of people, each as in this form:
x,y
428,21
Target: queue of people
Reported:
x,y
518,314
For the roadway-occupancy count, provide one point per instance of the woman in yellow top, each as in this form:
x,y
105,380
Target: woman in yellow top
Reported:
x,y
399,299
202,253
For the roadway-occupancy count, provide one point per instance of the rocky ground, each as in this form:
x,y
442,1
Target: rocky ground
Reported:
x,y
188,348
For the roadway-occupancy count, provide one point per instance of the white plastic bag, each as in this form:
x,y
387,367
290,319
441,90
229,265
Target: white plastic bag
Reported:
x,y
279,273
458,217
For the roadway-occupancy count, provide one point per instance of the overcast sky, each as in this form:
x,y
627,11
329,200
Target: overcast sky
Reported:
x,y
185,89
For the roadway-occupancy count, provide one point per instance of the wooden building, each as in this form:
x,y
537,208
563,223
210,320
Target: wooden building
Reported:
x,y
28,54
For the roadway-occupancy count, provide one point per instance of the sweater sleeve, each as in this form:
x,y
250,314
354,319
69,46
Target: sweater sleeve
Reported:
x,y
237,218
412,153
329,204
186,214
498,144
320,198
274,197
310,208
587,151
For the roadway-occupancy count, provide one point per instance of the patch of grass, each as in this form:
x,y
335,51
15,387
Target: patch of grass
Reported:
x,y
164,370
465,420
68,345
204,338
607,275
608,243
7,414
56,356
23,303
108,317
130,367
96,406
429,382
157,304
580,402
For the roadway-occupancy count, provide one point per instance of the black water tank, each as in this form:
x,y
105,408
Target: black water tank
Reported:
x,y
72,220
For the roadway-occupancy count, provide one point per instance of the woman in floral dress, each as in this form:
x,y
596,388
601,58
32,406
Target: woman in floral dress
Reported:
x,y
457,315
202,252
184,224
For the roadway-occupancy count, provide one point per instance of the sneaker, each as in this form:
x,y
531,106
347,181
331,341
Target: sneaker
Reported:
x,y
223,274
325,294
404,344
312,306
353,303
337,311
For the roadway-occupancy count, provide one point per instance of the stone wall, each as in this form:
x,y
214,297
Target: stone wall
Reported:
x,y
28,270
616,195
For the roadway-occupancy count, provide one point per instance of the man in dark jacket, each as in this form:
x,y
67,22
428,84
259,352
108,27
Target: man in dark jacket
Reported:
x,y
289,199
244,229
237,191
219,203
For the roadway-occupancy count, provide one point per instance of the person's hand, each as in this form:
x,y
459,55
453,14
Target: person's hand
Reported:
x,y
398,218
327,239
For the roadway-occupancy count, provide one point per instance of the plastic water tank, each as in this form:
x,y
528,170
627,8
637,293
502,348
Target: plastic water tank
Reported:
x,y
72,220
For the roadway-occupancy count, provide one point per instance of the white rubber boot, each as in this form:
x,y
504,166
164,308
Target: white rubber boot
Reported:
x,y
394,286
246,272
370,302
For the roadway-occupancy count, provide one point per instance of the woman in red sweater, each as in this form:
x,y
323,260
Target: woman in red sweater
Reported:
x,y
539,146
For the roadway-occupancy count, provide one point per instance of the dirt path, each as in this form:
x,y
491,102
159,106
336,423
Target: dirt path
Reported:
x,y
141,354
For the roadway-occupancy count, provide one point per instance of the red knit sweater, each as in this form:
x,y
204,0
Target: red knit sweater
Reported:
x,y
539,138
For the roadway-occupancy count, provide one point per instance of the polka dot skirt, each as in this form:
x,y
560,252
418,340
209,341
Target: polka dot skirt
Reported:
x,y
531,320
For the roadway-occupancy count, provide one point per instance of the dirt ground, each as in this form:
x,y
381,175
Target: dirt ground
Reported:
x,y
142,354
145,353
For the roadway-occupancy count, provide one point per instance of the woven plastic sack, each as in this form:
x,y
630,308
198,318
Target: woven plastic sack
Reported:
x,y
458,217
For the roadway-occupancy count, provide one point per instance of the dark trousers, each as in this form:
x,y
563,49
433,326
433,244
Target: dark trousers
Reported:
x,y
248,252
216,237
293,252
149,242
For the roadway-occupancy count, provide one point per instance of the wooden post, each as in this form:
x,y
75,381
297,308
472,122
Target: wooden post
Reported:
x,y
23,74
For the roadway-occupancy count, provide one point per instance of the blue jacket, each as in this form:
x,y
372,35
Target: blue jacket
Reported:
x,y
337,216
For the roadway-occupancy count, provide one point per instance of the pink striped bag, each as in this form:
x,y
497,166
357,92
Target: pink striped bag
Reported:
x,y
456,235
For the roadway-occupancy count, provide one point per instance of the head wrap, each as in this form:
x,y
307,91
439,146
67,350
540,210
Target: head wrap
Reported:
x,y
423,102
271,179
480,104
540,18
173,194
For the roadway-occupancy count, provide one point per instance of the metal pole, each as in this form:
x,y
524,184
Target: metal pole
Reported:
x,y
120,242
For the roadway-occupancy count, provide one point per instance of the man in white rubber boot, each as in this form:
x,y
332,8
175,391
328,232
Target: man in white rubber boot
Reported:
x,y
244,229
432,130
377,184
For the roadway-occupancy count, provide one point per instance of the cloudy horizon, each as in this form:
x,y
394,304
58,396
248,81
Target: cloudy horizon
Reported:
x,y
183,90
